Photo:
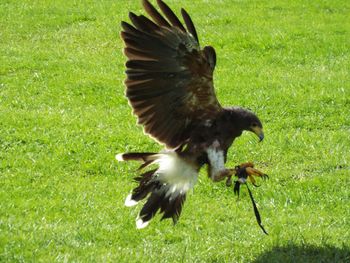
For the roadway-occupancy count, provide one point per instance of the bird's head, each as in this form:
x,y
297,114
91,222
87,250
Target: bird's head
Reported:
x,y
247,121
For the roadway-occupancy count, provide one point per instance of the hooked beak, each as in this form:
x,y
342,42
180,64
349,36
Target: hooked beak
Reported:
x,y
259,132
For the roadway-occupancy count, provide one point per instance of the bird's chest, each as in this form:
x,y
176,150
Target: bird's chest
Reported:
x,y
209,145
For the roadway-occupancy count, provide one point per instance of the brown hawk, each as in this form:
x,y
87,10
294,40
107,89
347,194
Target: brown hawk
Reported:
x,y
170,88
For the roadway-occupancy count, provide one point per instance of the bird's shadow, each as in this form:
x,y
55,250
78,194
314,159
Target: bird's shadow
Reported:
x,y
304,253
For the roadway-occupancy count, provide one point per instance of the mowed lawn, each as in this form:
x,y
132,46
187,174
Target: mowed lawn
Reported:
x,y
63,117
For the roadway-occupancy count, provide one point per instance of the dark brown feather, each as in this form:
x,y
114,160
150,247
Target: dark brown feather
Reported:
x,y
169,79
129,28
155,14
149,23
136,156
189,24
170,15
210,54
145,186
151,207
172,208
147,44
153,66
134,54
178,207
143,24
137,23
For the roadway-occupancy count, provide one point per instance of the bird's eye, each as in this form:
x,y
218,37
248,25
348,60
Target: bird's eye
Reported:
x,y
254,124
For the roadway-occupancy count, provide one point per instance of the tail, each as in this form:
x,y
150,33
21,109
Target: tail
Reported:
x,y
165,187
134,156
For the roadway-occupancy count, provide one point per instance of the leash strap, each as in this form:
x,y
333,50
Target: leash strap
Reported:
x,y
256,211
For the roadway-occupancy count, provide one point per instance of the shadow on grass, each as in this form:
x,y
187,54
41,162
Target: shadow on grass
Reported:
x,y
306,253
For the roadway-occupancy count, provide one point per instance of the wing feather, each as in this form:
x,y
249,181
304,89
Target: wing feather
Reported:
x,y
170,15
169,78
189,24
156,16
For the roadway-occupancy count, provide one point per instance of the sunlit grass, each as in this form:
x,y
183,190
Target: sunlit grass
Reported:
x,y
63,117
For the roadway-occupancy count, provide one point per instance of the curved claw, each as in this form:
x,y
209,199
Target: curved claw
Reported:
x,y
253,171
247,171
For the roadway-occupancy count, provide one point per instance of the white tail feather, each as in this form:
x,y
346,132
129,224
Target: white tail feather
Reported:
x,y
129,201
119,157
165,187
177,175
140,223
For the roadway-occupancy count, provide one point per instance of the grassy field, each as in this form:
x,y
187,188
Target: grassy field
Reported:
x,y
63,117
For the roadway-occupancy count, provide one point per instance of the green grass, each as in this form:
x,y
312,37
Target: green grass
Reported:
x,y
63,117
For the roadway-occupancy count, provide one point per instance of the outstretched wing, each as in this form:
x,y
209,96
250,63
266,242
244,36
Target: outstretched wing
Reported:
x,y
169,78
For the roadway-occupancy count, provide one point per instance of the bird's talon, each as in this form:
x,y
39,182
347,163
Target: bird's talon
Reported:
x,y
246,171
255,185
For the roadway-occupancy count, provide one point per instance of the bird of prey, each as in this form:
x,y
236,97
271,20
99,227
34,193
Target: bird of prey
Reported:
x,y
170,88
